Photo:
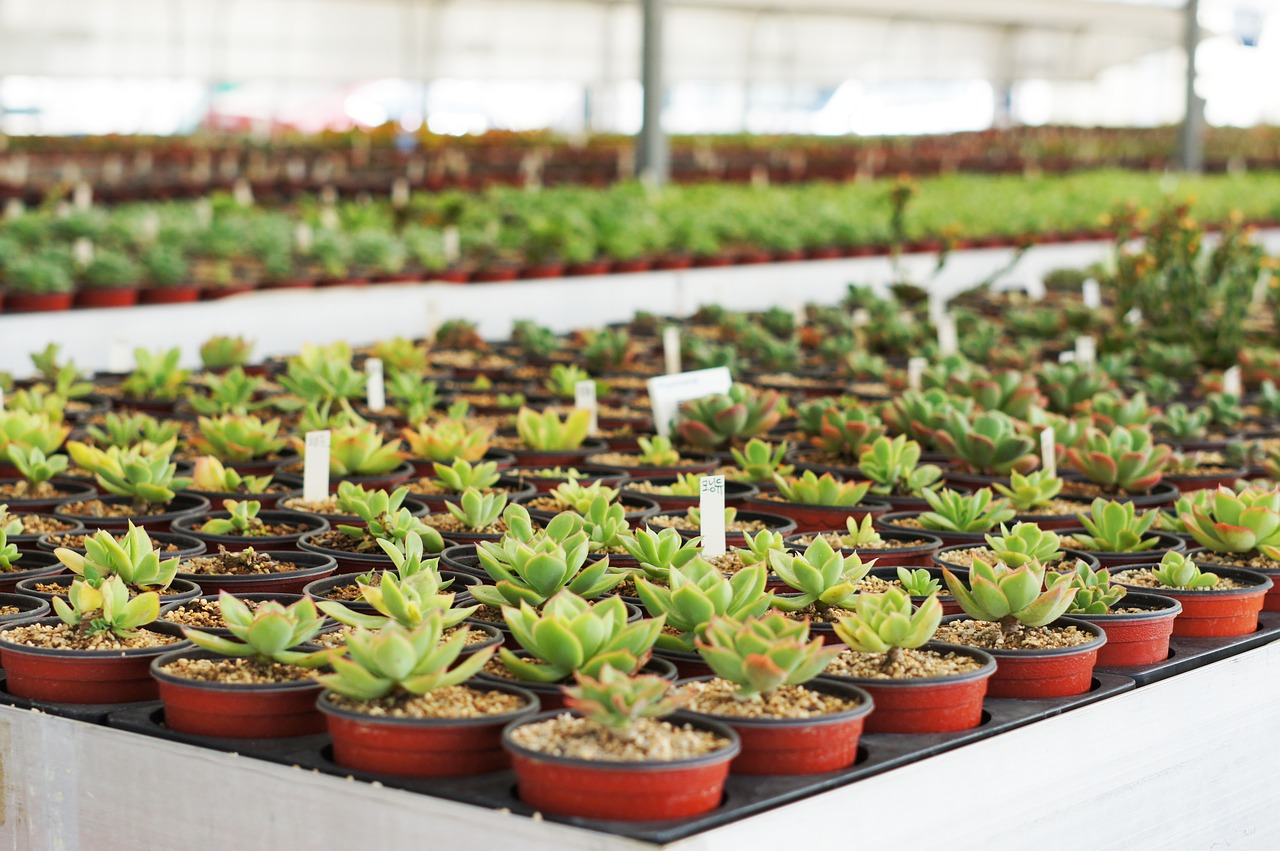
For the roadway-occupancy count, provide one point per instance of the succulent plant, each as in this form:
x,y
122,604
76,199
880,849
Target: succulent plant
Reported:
x,y
30,430
569,634
987,443
462,475
547,432
233,438
1180,422
536,568
406,600
952,511
1110,410
107,608
209,475
562,380
360,451
825,579
447,440
231,393
888,623
760,461
266,634
812,489
132,557
243,519
658,451
34,467
862,534
9,553
616,701
575,496
397,660
1238,523
918,582
1012,597
415,396
605,525
1094,593
728,418
221,352
1025,542
156,375
1034,490
761,654
323,374
1179,571
478,511
696,593
384,517
1116,527
845,433
126,430
1067,387
657,552
893,467
1125,459
920,416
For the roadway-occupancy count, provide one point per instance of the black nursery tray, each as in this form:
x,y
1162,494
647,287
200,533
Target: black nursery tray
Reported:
x,y
744,795
1186,654
148,719
91,713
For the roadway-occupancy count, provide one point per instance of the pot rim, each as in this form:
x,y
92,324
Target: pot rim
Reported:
x,y
988,668
865,505
1169,608
1176,544
514,716
705,722
327,562
64,653
284,515
198,504
832,686
1099,639
193,650
71,577
1259,583
1202,550
931,541
198,546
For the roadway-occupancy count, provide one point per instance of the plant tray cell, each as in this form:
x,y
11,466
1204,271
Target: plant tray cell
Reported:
x,y
148,719
1186,654
91,713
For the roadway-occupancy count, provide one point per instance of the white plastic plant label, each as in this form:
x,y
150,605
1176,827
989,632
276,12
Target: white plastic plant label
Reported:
x,y
584,397
375,390
1066,357
14,208
666,392
711,510
948,344
82,196
671,349
119,356
799,314
1086,350
303,237
860,318
399,193
1133,317
1,400
82,251
242,192
1091,292
1049,452
915,372
1232,384
451,243
315,466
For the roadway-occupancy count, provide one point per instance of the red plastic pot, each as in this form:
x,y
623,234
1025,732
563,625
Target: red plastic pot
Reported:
x,y
20,302
800,745
33,608
689,665
639,791
381,481
1051,522
1212,613
311,567
1209,560
494,274
540,271
887,523
31,565
1038,674
311,524
551,695
431,747
630,266
1139,638
67,489
235,711
1169,542
183,503
818,518
82,676
591,267
215,293
168,295
121,297
179,590
913,556
772,522
735,494
187,546
566,458
929,704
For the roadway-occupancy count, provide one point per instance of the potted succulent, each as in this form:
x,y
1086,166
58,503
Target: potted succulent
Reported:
x,y
142,487
39,282
399,702
737,524
547,440
255,683
111,279
728,419
764,688
247,444
918,685
1116,534
817,503
15,566
211,480
165,275
97,650
1125,464
243,525
920,583
1224,602
825,583
250,570
1137,631
897,477
380,515
655,457
986,448
37,487
954,517
132,557
452,480
1238,530
617,758
1034,498
1015,547
1009,614
681,492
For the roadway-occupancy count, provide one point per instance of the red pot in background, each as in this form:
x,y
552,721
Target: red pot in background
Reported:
x,y
1140,638
235,711
648,791
310,524
31,565
888,523
427,747
540,271
116,297
83,676
311,567
591,267
1169,542
818,518
1207,560
919,555
20,302
566,458
628,266
1038,674
183,503
215,293
930,704
800,745
168,295
1209,613
494,274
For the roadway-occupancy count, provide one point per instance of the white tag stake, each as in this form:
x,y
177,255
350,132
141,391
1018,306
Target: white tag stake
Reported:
x,y
315,466
666,392
584,397
1066,357
1232,384
1091,292
242,192
799,314
1086,351
915,372
861,318
82,251
711,509
1048,452
1133,317
119,356
947,342
452,243
671,349
375,389
82,196
302,237
399,193
1,400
